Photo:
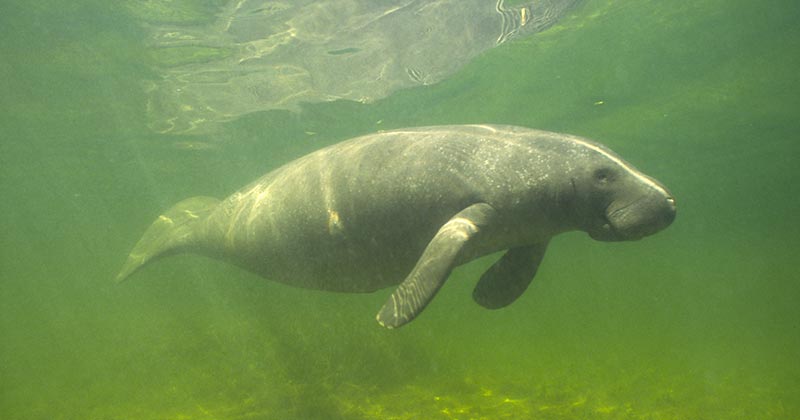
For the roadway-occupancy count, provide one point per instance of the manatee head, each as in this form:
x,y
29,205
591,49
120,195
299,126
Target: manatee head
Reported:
x,y
617,202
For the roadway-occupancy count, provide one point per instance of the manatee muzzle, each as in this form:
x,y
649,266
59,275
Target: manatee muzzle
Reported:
x,y
630,220
633,220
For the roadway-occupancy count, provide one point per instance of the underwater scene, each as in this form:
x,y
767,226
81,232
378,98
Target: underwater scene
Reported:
x,y
114,112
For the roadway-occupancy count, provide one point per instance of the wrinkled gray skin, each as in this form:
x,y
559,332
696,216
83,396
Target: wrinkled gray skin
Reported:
x,y
407,206
263,55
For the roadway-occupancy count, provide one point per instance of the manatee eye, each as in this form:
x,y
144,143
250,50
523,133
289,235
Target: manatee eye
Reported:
x,y
603,175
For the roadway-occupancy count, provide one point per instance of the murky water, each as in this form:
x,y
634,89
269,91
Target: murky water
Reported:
x,y
699,321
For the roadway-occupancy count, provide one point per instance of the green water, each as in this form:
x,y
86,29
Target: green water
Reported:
x,y
700,321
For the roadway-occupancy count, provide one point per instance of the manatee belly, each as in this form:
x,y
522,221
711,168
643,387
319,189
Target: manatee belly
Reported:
x,y
336,250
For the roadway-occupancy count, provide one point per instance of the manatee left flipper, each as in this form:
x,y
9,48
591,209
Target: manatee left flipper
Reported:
x,y
434,266
508,278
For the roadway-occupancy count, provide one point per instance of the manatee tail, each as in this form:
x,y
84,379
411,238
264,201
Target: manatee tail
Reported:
x,y
173,232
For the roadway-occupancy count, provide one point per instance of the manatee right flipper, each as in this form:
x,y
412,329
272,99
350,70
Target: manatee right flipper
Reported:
x,y
508,278
434,266
171,233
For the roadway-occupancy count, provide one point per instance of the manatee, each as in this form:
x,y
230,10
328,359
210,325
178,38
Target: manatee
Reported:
x,y
405,207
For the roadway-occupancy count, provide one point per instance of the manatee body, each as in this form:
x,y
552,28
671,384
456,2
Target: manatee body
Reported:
x,y
407,206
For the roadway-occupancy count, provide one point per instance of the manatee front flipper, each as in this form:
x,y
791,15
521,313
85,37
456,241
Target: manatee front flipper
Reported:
x,y
171,233
508,278
434,266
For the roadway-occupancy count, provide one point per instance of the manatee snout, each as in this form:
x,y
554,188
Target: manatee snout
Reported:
x,y
636,217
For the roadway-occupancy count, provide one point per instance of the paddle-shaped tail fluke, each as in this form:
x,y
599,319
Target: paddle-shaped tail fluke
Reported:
x,y
173,232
